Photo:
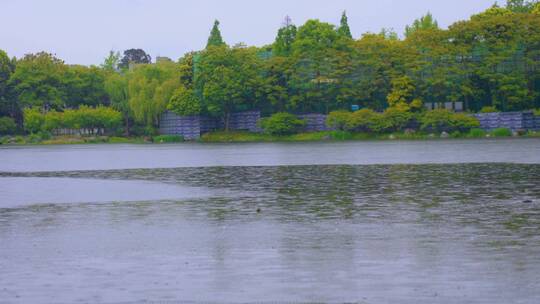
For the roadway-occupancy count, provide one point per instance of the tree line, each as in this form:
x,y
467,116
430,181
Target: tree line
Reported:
x,y
490,60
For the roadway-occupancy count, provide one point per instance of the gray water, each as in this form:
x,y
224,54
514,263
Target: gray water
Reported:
x,y
365,222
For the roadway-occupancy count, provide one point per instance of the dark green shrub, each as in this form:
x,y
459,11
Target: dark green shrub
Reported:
x,y
455,134
168,139
477,133
396,119
53,121
99,118
339,120
34,138
367,120
442,120
463,122
33,120
7,125
149,131
341,135
501,132
282,124
184,102
44,135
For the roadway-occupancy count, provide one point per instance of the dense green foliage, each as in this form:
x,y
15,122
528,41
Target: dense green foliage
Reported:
x,y
184,102
490,61
7,125
281,124
33,120
150,87
444,120
89,120
228,80
395,119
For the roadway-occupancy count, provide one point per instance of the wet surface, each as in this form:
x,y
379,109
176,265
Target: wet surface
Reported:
x,y
424,233
103,157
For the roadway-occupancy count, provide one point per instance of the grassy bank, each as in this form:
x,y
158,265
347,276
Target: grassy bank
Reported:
x,y
245,137
239,137
70,140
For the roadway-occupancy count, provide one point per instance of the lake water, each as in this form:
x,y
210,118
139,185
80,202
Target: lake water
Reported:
x,y
364,222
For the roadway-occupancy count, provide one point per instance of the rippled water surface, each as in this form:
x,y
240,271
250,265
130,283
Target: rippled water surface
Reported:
x,y
378,233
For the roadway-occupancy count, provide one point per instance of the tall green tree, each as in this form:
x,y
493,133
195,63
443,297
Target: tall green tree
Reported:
x,y
389,34
112,61
375,61
134,56
494,10
215,38
186,66
229,80
344,29
5,71
84,85
184,102
426,22
116,86
403,94
536,9
520,6
312,76
38,81
7,103
503,56
275,85
285,38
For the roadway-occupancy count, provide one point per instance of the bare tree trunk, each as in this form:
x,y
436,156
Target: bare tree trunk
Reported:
x,y
227,120
126,131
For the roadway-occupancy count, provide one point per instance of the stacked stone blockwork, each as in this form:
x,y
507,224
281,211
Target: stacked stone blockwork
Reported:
x,y
514,121
192,127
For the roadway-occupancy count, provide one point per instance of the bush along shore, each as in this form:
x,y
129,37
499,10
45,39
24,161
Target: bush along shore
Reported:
x,y
247,137
401,121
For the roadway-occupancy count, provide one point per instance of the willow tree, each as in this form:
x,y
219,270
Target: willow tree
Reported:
x,y
150,88
116,86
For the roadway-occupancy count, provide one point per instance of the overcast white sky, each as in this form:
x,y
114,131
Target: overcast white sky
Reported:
x,y
83,31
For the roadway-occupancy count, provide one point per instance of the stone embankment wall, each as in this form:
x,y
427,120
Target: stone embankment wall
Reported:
x,y
187,126
315,122
192,127
511,120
